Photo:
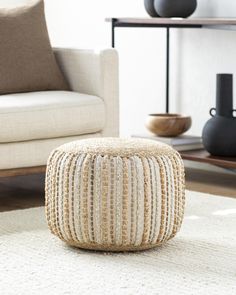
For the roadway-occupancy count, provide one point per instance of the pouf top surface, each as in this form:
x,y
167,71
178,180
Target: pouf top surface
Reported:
x,y
117,147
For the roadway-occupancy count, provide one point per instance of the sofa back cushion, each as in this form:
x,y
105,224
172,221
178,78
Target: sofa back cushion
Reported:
x,y
27,62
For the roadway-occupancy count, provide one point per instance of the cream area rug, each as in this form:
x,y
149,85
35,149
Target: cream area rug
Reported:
x,y
200,260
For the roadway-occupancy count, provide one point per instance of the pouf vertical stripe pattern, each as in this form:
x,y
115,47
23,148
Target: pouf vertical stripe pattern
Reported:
x,y
126,200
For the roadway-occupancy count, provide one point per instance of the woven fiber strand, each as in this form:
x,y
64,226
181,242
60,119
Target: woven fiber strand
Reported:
x,y
115,194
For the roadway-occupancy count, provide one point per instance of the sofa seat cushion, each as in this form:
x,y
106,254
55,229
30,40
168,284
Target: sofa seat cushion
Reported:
x,y
49,114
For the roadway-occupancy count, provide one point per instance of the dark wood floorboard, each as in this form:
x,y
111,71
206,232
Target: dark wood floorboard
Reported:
x,y
21,192
211,183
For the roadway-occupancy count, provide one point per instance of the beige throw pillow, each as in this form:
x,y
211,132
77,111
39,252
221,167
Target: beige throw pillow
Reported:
x,y
27,62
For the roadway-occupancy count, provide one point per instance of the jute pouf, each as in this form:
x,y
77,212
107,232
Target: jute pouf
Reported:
x,y
115,194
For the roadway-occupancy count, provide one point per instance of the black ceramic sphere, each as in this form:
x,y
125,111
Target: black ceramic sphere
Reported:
x,y
219,133
149,6
175,8
219,136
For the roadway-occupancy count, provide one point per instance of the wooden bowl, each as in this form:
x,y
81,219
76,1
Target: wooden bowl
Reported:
x,y
168,125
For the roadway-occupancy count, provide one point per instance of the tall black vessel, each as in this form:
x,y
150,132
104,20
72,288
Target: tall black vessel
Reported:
x,y
219,133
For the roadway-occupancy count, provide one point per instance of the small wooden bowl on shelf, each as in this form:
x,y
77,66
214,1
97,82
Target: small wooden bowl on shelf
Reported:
x,y
168,125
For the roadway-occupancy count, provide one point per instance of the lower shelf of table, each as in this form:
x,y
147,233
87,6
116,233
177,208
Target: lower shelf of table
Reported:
x,y
204,157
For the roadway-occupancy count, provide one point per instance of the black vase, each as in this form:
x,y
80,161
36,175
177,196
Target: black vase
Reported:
x,y
175,8
149,6
219,133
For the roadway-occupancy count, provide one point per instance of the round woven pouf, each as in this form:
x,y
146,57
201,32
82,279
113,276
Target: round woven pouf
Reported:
x,y
115,194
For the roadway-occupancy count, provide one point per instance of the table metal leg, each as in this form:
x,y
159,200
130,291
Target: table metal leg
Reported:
x,y
113,33
167,68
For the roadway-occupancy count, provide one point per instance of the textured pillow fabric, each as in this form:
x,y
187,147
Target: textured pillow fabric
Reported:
x,y
27,62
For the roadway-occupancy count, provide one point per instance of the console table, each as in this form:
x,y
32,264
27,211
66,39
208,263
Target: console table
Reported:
x,y
168,23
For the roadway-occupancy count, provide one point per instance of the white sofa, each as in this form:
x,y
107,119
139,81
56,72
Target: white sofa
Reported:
x,y
32,124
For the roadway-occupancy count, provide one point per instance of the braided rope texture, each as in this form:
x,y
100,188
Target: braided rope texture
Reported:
x,y
115,194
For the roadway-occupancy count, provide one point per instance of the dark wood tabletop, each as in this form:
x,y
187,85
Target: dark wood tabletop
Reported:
x,y
175,21
204,157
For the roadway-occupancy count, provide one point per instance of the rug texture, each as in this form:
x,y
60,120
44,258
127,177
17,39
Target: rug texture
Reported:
x,y
200,260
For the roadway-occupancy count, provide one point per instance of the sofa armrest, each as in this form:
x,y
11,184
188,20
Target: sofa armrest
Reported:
x,y
94,73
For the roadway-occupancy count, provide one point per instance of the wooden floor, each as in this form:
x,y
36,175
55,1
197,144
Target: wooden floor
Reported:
x,y
28,191
211,183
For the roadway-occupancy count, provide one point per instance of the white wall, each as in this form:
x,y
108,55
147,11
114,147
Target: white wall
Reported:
x,y
196,55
